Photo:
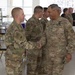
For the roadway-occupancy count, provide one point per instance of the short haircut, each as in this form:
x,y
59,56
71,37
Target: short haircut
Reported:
x,y
55,6
45,9
15,11
70,8
65,9
37,9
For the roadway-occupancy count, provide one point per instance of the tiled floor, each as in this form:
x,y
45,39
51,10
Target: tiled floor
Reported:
x,y
68,70
70,67
2,65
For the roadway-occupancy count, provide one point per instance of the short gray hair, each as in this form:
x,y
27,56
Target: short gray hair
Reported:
x,y
55,6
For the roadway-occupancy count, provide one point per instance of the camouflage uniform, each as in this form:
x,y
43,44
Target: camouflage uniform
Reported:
x,y
44,21
34,32
60,41
69,17
16,46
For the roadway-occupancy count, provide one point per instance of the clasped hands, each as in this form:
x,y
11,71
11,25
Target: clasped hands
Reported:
x,y
68,57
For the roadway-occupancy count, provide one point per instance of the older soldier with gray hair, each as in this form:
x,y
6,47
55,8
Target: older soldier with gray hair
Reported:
x,y
60,43
17,44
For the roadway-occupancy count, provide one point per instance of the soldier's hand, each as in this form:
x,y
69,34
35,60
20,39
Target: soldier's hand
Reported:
x,y
68,57
39,45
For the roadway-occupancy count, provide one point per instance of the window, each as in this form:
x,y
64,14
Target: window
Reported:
x,y
17,3
3,6
28,3
25,4
7,5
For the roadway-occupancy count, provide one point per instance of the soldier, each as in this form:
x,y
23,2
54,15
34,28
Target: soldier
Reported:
x,y
60,43
71,12
16,43
66,14
34,33
44,19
